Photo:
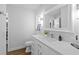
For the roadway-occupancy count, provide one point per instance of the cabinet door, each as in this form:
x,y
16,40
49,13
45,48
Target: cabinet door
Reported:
x,y
42,49
45,50
39,44
35,47
48,51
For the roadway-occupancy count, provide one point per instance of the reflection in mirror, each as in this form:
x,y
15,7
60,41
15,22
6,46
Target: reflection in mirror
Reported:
x,y
39,22
57,23
53,19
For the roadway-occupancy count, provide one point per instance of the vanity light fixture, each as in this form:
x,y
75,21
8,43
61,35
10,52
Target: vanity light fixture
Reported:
x,y
42,15
41,18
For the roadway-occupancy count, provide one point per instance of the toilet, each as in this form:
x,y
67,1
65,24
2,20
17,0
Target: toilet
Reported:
x,y
29,45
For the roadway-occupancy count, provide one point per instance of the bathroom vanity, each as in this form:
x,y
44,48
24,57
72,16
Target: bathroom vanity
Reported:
x,y
56,21
42,48
50,46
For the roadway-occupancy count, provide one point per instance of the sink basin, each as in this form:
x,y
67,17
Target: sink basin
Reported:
x,y
75,45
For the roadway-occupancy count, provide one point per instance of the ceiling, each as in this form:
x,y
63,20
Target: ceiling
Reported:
x,y
34,7
25,6
30,6
37,6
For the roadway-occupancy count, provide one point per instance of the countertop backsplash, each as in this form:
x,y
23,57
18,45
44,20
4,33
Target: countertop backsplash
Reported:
x,y
70,37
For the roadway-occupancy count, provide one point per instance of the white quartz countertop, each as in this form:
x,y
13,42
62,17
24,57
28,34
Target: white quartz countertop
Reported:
x,y
60,46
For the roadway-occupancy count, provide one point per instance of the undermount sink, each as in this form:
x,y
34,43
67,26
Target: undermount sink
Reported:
x,y
75,45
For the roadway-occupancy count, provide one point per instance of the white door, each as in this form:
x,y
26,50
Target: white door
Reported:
x,y
2,29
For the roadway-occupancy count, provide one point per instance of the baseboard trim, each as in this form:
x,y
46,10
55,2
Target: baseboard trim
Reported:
x,y
16,48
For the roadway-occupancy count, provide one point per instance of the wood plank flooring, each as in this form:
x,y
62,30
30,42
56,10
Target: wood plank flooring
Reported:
x,y
19,52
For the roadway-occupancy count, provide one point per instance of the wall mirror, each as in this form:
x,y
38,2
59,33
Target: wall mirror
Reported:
x,y
53,19
58,17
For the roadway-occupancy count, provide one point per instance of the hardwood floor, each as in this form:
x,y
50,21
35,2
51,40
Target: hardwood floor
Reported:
x,y
19,52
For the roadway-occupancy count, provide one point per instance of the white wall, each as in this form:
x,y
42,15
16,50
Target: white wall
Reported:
x,y
21,26
2,30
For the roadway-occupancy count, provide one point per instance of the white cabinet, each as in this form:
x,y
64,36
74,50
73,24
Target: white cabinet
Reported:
x,y
42,49
48,51
34,48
